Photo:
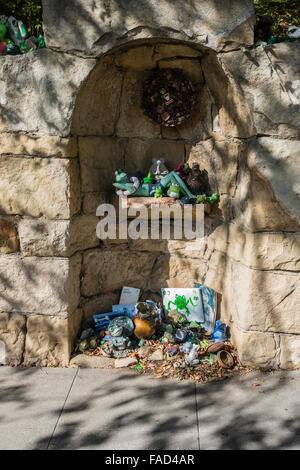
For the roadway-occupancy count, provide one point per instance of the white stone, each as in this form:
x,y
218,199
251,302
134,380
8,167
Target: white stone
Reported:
x,y
93,27
47,286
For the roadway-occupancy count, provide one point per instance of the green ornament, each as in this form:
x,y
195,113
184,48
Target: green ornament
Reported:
x,y
148,179
3,31
213,198
158,192
174,191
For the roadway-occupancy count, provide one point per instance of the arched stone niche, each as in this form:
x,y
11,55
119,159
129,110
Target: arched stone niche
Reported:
x,y
113,132
62,118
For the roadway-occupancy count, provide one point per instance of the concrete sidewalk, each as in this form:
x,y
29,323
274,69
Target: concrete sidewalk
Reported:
x,y
107,409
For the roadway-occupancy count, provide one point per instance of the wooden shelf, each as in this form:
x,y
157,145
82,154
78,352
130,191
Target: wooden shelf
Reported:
x,y
139,203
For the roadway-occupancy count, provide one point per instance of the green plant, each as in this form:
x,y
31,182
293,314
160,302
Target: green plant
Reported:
x,y
284,13
29,11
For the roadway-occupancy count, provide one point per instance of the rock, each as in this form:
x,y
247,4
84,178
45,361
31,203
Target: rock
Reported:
x,y
91,201
267,78
39,285
289,351
92,362
83,233
125,362
144,351
278,161
157,355
265,251
220,159
137,58
91,28
266,300
232,113
12,338
97,166
140,152
132,121
176,271
97,110
254,349
49,340
37,146
190,67
39,187
100,304
24,76
165,51
266,197
9,242
43,237
108,270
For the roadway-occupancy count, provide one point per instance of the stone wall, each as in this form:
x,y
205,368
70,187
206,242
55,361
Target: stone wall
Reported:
x,y
70,116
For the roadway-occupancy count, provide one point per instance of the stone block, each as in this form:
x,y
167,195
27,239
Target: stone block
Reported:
x,y
47,286
166,51
235,117
97,164
99,304
265,251
12,334
264,300
91,201
97,105
220,158
109,270
38,146
268,80
137,58
254,349
278,161
267,187
175,271
92,362
9,242
83,233
289,351
139,154
190,67
24,78
49,340
132,121
125,362
91,28
39,187
44,237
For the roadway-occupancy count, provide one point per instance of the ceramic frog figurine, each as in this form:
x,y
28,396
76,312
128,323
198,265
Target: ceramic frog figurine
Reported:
x,y
174,191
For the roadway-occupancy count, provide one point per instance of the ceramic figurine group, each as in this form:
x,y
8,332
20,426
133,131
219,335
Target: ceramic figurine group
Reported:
x,y
190,185
13,37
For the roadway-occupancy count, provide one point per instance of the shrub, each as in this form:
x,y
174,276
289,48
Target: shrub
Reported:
x,y
29,11
284,13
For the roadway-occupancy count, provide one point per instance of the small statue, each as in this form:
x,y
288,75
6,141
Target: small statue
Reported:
x,y
183,171
197,180
148,179
158,192
174,191
158,169
17,31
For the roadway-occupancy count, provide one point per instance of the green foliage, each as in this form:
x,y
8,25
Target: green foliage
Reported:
x,y
29,11
284,13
